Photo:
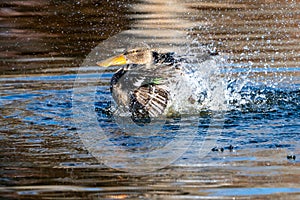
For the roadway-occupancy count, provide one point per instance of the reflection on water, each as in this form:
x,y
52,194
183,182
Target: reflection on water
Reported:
x,y
42,46
53,34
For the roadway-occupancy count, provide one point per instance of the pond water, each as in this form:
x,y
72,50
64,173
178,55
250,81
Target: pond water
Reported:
x,y
57,143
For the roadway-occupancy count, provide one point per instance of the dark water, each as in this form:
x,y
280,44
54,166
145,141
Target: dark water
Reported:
x,y
255,144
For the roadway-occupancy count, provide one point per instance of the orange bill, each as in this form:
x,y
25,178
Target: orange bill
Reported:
x,y
114,61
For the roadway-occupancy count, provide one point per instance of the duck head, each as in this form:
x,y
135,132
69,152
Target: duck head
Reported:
x,y
138,56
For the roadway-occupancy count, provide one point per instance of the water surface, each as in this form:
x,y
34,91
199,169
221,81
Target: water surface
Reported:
x,y
43,46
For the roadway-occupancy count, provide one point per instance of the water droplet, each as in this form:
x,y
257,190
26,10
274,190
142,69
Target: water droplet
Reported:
x,y
246,48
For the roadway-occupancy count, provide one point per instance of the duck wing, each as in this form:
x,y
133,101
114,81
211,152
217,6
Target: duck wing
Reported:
x,y
148,101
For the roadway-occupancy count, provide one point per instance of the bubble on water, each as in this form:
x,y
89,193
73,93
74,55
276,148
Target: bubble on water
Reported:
x,y
203,79
209,83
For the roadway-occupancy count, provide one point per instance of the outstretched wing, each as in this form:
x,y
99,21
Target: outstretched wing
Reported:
x,y
148,101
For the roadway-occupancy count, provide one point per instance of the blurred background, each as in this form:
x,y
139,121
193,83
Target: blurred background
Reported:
x,y
42,44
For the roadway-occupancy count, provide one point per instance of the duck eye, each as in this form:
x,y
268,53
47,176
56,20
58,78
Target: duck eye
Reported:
x,y
130,52
133,52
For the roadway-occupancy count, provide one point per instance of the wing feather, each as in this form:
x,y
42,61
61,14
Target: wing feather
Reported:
x,y
150,100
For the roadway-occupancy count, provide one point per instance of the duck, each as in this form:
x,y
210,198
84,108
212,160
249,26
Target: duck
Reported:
x,y
148,82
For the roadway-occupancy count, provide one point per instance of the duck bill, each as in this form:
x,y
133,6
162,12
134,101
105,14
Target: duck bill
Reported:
x,y
114,61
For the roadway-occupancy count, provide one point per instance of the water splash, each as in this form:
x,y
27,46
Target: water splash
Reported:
x,y
217,83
